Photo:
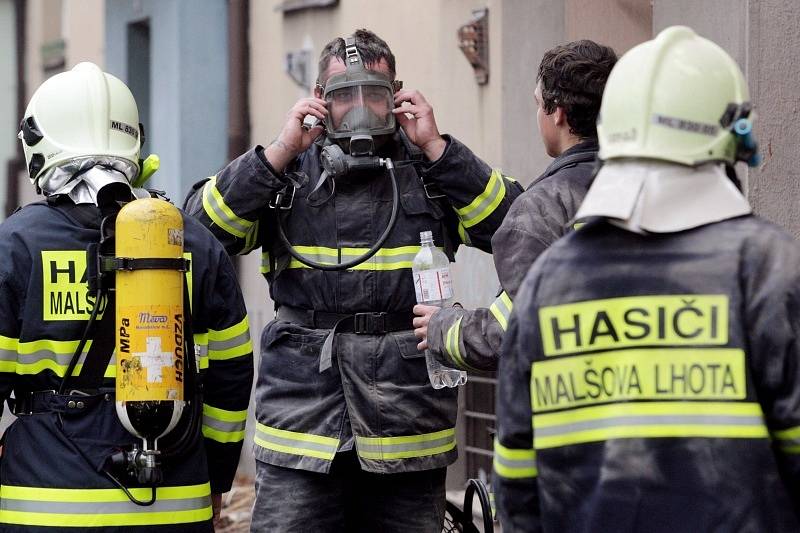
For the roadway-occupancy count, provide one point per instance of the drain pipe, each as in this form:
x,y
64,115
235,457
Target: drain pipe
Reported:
x,y
238,77
16,165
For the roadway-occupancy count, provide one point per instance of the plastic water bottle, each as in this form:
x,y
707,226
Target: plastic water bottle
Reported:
x,y
433,286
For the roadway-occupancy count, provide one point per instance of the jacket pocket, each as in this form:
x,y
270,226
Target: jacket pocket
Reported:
x,y
407,345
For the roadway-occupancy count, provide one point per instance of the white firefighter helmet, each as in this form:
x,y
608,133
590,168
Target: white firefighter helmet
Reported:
x,y
80,113
674,98
674,110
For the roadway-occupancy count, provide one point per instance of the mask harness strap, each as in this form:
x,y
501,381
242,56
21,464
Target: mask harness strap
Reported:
x,y
375,161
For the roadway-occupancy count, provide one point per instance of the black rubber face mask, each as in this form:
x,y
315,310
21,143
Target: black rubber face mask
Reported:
x,y
360,104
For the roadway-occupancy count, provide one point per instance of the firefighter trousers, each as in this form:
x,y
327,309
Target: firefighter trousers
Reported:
x,y
347,499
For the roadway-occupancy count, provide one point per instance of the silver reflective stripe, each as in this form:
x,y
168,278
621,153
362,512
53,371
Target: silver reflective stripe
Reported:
x,y
160,505
8,355
405,446
221,425
265,264
61,359
515,464
649,420
303,443
233,342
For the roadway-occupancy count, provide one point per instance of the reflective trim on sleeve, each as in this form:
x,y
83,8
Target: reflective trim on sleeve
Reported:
x,y
8,354
462,232
251,239
295,443
388,448
485,203
223,426
452,345
36,356
385,259
732,420
788,440
265,263
85,508
514,463
501,309
221,214
230,342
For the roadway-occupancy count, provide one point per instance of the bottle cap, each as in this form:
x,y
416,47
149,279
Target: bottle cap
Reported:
x,y
426,235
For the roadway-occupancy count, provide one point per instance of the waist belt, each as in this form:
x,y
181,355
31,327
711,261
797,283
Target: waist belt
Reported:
x,y
29,403
376,323
359,323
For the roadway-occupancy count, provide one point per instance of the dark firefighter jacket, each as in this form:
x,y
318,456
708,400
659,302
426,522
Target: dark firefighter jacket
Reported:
x,y
376,396
54,452
661,374
471,339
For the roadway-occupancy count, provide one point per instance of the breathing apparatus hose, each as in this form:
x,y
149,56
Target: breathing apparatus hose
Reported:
x,y
362,258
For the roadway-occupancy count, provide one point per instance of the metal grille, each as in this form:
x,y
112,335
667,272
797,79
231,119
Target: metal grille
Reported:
x,y
480,423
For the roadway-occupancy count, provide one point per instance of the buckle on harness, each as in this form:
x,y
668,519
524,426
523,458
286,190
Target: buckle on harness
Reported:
x,y
369,323
283,198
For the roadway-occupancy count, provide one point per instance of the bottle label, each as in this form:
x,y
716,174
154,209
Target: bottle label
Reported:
x,y
433,285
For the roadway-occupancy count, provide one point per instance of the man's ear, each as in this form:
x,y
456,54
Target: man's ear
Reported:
x,y
560,116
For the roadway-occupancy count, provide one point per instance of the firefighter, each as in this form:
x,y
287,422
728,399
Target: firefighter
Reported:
x,y
81,138
649,380
569,87
350,433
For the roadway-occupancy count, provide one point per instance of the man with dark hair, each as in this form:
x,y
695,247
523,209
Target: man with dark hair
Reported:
x,y
351,436
568,92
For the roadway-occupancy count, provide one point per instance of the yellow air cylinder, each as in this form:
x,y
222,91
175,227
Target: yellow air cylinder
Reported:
x,y
150,351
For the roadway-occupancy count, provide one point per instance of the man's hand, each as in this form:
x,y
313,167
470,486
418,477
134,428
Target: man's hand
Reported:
x,y
216,507
293,138
421,126
424,314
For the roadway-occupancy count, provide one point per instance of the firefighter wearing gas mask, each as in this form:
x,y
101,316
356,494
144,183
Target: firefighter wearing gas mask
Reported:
x,y
649,379
116,313
350,433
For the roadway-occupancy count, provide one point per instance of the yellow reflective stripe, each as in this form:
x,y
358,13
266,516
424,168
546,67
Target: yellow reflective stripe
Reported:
x,y
8,354
46,354
223,426
36,506
501,309
407,446
514,463
385,259
230,342
734,420
462,232
8,343
452,346
243,326
85,520
251,239
295,443
485,203
220,213
788,440
265,264
101,495
59,370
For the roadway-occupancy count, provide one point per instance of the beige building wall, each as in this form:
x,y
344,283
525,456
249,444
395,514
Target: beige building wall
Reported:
x,y
79,25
